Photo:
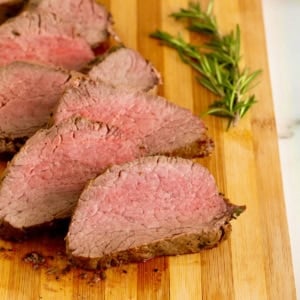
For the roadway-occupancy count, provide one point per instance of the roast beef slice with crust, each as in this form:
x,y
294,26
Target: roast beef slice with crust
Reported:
x,y
125,67
149,207
44,180
162,127
28,95
89,19
44,38
10,8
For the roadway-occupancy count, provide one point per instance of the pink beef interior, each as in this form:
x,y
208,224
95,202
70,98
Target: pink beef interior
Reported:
x,y
161,125
45,178
89,19
40,37
142,202
126,68
28,94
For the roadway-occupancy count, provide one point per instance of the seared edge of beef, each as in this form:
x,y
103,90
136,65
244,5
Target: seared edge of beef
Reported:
x,y
198,149
10,8
55,227
177,245
11,145
206,236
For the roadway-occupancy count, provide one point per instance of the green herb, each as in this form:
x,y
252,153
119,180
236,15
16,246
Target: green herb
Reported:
x,y
216,61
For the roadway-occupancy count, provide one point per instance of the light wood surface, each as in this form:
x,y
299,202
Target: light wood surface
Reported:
x,y
255,263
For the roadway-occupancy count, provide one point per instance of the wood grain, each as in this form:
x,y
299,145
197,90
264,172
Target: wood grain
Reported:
x,y
255,263
277,258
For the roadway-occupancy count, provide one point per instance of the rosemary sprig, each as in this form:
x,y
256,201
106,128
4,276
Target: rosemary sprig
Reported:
x,y
216,61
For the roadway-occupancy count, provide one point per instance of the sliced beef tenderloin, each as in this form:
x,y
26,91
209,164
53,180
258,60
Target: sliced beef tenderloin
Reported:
x,y
41,37
125,67
28,95
44,180
149,207
10,8
89,19
162,127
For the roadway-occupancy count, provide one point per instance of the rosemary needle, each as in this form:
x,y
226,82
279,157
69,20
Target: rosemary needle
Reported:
x,y
216,61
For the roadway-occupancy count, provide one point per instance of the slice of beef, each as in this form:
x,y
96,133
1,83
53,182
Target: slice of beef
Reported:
x,y
149,207
125,67
44,180
162,127
41,37
10,8
28,95
89,19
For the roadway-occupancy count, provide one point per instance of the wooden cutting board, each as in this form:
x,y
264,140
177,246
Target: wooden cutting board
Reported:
x,y
255,263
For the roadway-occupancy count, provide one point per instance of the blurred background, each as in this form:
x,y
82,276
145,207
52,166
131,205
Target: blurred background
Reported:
x,y
282,25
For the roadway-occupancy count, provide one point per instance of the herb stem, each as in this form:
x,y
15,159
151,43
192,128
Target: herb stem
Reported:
x,y
216,62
